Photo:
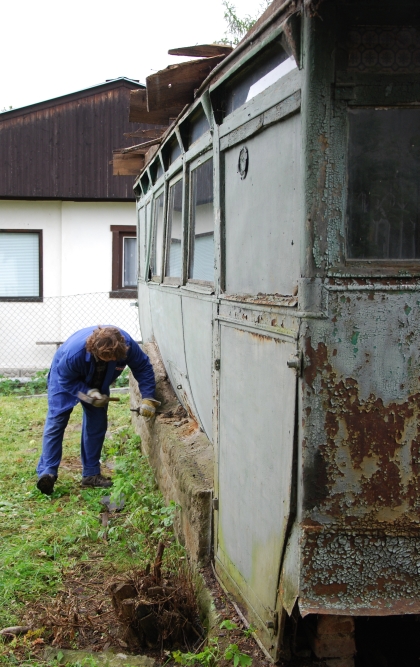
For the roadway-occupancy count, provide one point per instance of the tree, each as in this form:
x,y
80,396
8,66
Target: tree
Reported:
x,y
238,27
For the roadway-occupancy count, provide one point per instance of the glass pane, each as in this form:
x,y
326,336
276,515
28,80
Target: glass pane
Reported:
x,y
156,170
383,184
174,151
142,240
19,264
159,170
157,249
269,69
145,183
199,126
130,261
271,77
174,257
148,223
202,224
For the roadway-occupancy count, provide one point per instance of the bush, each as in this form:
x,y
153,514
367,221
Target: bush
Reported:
x,y
36,385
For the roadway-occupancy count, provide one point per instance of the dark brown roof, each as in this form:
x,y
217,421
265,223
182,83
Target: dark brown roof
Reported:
x,y
62,148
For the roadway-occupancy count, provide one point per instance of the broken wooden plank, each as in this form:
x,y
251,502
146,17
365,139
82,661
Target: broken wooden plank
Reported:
x,y
202,50
146,134
150,154
292,35
138,147
127,164
140,114
174,86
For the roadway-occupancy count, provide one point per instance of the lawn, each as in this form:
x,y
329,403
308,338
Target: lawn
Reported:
x,y
44,538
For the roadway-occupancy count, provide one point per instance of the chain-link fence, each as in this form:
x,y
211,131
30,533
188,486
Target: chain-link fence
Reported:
x,y
30,332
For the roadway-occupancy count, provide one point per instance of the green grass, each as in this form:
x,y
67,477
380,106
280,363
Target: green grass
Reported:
x,y
43,536
27,659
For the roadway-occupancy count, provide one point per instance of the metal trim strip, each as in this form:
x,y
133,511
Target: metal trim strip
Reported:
x,y
281,111
272,332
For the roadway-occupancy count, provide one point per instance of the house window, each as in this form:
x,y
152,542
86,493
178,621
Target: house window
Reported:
x,y
129,261
383,199
201,259
20,265
174,235
124,261
157,238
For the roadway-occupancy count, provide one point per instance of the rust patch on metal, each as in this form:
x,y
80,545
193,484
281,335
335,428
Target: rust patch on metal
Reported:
x,y
262,338
330,589
315,481
185,402
369,462
264,299
318,361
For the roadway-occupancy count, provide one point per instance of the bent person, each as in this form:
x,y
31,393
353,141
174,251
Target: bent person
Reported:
x,y
88,362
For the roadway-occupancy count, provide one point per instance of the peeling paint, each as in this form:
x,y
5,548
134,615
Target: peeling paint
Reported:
x,y
360,573
361,458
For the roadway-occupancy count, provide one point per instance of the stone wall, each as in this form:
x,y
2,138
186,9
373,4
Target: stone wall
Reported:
x,y
181,456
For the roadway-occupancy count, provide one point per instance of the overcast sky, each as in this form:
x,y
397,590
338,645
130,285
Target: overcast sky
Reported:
x,y
51,48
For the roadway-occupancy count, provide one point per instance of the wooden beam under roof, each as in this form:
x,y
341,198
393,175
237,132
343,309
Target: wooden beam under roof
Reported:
x,y
202,50
140,114
127,164
174,86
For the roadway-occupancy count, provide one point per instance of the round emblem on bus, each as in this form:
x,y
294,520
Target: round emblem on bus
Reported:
x,y
243,162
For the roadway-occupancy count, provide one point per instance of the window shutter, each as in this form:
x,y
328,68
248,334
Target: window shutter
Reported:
x,y
19,264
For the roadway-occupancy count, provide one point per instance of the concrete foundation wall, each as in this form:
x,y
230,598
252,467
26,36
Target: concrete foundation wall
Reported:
x,y
182,459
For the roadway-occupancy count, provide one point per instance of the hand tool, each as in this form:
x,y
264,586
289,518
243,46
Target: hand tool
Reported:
x,y
90,400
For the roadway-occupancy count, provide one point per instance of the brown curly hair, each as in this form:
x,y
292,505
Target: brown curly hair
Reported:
x,y
107,343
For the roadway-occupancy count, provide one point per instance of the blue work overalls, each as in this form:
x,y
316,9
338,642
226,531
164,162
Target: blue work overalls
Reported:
x,y
71,370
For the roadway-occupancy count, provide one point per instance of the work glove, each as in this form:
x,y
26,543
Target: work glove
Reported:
x,y
148,407
99,400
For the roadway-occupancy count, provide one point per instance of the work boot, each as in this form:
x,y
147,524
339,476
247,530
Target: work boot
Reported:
x,y
46,484
96,482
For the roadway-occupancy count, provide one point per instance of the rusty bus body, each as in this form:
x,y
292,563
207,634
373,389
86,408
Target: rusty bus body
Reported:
x,y
297,352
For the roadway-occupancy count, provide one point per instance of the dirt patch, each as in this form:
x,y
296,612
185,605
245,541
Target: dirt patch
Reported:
x,y
98,609
71,463
158,610
81,614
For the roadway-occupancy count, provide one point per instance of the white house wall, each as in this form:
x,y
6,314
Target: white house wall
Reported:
x,y
87,244
77,275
